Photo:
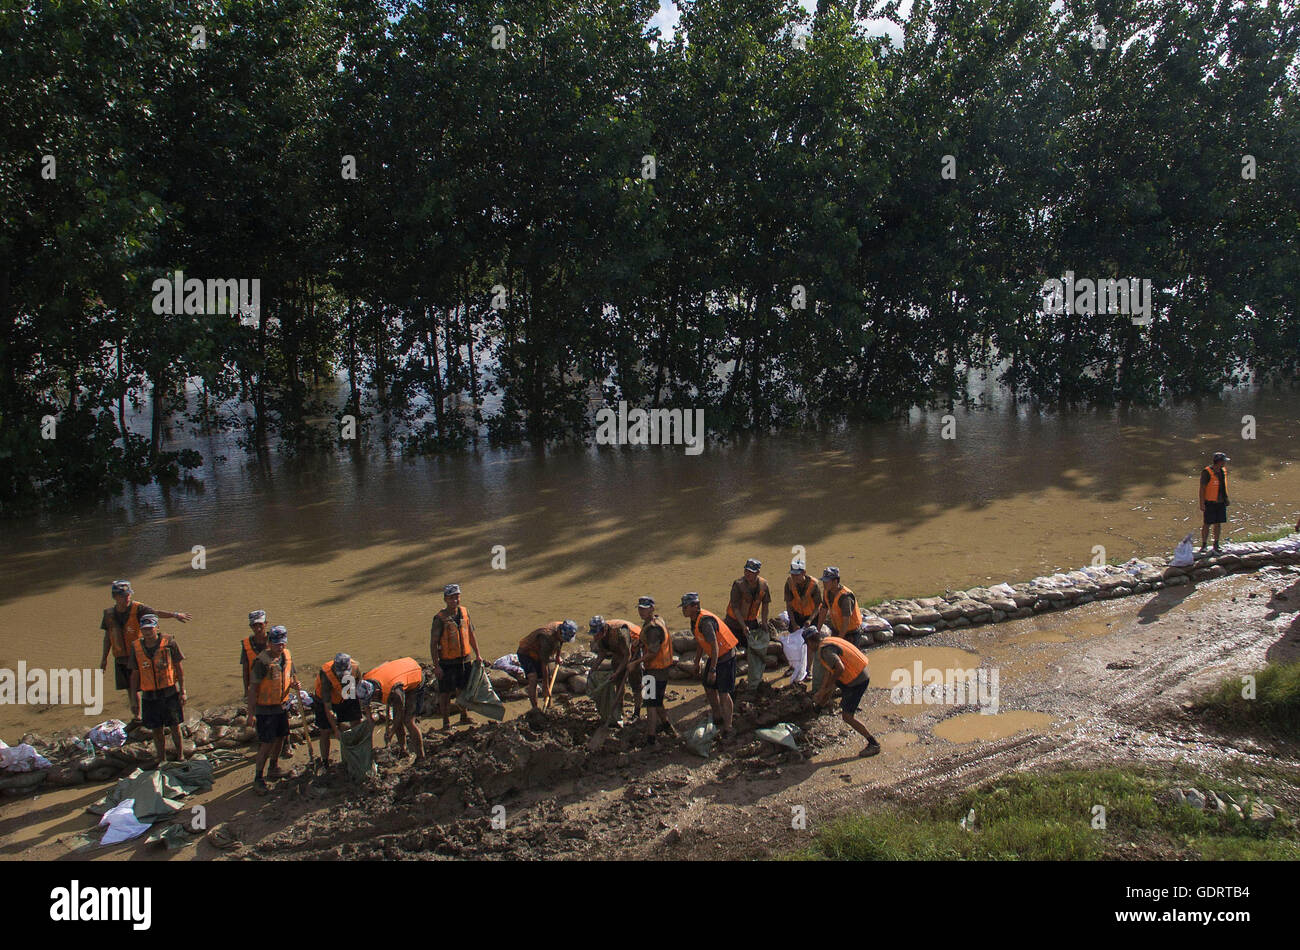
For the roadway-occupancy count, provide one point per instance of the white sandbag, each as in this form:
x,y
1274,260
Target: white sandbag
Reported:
x,y
1184,554
22,758
122,823
1004,589
796,651
108,734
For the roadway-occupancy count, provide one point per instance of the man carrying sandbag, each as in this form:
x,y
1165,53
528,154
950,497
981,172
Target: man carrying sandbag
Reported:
x,y
620,641
400,684
747,619
715,641
451,640
539,649
846,667
335,700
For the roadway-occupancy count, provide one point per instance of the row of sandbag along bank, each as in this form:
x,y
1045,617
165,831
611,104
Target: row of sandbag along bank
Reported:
x,y
72,758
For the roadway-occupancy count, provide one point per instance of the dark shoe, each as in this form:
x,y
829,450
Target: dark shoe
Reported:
x,y
873,748
1217,549
259,785
274,774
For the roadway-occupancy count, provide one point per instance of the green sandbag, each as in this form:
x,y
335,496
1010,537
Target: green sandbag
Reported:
x,y
356,748
756,652
600,690
700,740
782,733
479,696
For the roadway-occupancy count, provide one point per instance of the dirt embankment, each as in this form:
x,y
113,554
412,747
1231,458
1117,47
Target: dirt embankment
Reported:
x,y
1106,682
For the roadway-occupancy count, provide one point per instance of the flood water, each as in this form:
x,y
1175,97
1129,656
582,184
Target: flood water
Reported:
x,y
352,555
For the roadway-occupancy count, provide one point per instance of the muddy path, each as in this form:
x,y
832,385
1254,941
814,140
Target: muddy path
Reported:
x,y
1104,683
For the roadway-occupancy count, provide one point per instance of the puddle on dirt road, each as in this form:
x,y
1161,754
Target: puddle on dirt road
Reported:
x,y
974,727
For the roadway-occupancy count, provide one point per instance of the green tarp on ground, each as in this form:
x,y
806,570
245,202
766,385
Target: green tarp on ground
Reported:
x,y
479,696
356,749
157,793
608,700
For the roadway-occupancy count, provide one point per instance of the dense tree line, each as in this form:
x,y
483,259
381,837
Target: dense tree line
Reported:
x,y
553,207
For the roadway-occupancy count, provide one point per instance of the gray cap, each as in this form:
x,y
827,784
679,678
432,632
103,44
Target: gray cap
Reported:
x,y
754,564
451,590
691,598
596,622
149,620
121,587
278,634
365,689
831,574
342,662
811,632
797,566
1220,457
645,602
256,616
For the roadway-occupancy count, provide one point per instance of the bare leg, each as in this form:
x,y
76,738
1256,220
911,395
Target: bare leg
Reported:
x,y
180,746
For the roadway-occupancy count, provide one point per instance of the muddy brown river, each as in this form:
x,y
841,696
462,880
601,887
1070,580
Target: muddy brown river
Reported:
x,y
352,555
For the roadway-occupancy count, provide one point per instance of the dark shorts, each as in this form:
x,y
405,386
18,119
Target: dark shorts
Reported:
x,y
657,688
851,696
1216,512
726,682
122,673
455,676
347,711
530,665
162,712
272,726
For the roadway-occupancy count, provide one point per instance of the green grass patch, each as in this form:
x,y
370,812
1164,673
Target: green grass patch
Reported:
x,y
1275,706
1050,816
1275,535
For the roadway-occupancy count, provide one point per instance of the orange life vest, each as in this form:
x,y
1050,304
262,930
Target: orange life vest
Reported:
x,y
405,673
329,680
273,690
664,657
725,639
837,615
250,651
120,638
455,635
854,660
754,603
1211,490
803,603
528,646
158,673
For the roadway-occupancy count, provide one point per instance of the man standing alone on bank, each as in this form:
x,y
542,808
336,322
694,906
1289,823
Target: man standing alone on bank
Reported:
x,y
270,680
1214,498
158,678
451,638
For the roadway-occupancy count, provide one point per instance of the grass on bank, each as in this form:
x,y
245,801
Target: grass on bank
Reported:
x,y
1050,817
1274,708
1261,536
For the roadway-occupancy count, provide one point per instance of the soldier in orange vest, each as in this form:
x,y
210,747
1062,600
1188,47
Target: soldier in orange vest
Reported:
x,y
621,642
1214,498
249,648
654,661
270,680
538,649
158,678
335,700
121,626
717,644
451,638
846,667
400,684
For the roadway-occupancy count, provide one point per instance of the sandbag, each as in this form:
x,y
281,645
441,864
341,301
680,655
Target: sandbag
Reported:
x,y
700,740
782,733
479,696
356,749
796,651
756,653
609,701
1184,554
